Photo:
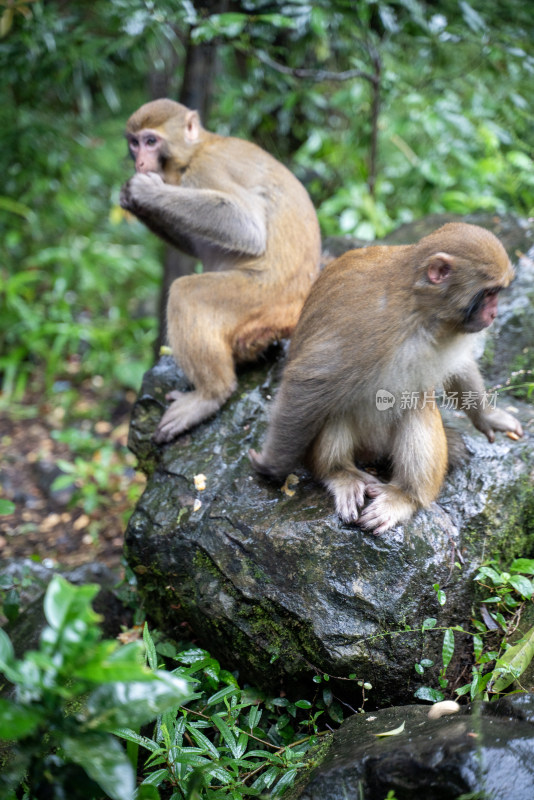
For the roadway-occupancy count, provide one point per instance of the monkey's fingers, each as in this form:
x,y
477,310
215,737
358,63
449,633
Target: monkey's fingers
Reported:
x,y
186,411
499,420
389,507
349,494
174,395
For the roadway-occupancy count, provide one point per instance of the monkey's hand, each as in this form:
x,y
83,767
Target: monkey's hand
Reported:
x,y
495,419
140,188
390,505
348,488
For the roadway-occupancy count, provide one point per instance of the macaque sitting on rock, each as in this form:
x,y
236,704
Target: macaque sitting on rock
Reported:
x,y
252,225
383,324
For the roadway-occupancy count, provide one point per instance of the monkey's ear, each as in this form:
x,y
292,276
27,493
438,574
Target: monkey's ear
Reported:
x,y
439,267
192,127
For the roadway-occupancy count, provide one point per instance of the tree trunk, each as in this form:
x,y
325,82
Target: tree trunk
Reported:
x,y
196,93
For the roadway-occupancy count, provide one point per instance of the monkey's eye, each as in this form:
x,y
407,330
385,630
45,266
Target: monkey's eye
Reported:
x,y
151,141
133,142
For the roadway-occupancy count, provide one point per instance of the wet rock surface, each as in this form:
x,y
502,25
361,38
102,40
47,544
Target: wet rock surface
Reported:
x,y
487,750
272,582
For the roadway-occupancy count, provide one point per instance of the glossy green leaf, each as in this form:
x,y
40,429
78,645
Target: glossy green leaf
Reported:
x,y
17,721
6,507
105,761
522,585
447,651
514,662
427,693
523,565
65,603
131,704
285,781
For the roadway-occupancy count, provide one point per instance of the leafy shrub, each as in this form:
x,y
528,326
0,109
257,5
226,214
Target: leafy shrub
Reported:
x,y
68,695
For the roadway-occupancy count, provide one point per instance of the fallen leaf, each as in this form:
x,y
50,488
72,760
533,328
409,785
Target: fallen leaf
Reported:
x,y
394,732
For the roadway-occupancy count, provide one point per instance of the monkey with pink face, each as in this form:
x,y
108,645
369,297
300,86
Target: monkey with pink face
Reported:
x,y
393,319
252,225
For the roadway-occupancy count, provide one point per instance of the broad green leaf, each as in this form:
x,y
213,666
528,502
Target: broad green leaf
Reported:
x,y
188,757
429,623
472,17
120,704
523,565
109,662
192,655
136,738
202,741
6,507
220,695
151,654
487,572
285,781
427,693
61,482
514,662
17,722
64,602
226,734
7,655
522,585
148,791
242,743
155,778
105,761
447,651
267,778
479,683
254,716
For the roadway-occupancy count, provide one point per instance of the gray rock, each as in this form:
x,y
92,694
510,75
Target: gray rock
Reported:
x,y
276,585
487,750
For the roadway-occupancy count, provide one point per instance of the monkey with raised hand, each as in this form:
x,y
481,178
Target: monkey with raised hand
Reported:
x,y
399,320
252,225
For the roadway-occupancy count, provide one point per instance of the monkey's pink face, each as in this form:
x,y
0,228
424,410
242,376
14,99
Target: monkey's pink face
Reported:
x,y
482,310
145,149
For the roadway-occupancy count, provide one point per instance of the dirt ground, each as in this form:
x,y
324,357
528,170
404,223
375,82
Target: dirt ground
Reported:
x,y
53,526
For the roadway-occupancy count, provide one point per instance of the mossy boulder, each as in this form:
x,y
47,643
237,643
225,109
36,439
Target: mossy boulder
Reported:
x,y
271,581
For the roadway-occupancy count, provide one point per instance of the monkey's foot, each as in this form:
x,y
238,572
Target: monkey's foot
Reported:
x,y
348,489
495,419
259,463
186,411
388,507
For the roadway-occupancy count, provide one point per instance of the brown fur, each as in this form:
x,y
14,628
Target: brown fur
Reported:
x,y
390,318
251,223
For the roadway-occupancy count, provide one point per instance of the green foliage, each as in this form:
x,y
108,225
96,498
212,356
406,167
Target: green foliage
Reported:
x,y
227,743
496,661
98,469
68,696
11,588
74,283
78,282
